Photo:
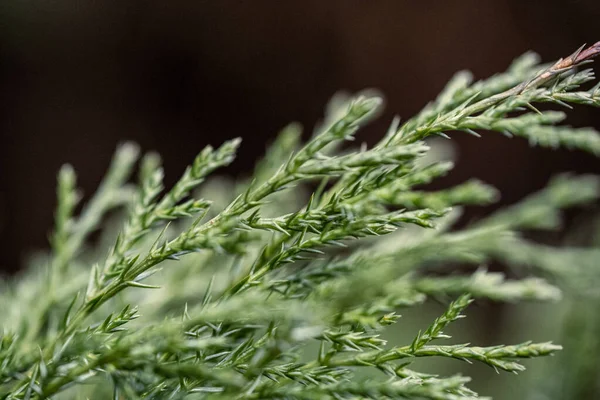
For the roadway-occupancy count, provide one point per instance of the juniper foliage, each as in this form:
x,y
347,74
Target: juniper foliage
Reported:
x,y
202,296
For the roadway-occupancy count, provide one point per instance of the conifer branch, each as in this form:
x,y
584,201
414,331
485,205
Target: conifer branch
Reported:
x,y
204,298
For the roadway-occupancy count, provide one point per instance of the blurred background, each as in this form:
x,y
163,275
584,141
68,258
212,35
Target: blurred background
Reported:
x,y
78,77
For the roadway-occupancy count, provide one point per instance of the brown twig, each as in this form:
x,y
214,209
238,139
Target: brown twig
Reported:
x,y
580,56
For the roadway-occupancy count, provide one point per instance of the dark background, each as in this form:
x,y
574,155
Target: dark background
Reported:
x,y
77,77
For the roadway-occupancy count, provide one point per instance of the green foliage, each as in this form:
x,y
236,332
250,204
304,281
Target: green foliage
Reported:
x,y
268,296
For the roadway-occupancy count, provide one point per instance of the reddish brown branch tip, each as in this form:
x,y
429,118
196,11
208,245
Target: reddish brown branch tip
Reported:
x,y
588,53
579,56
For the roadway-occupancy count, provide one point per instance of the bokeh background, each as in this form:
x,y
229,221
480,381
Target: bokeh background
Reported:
x,y
77,77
